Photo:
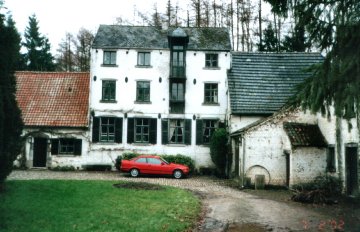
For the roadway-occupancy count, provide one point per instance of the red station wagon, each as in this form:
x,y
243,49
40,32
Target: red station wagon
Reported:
x,y
151,164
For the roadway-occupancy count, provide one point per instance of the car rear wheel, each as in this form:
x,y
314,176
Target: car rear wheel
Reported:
x,y
134,172
178,174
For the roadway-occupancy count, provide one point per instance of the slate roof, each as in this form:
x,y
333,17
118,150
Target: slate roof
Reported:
x,y
304,135
261,83
53,99
147,37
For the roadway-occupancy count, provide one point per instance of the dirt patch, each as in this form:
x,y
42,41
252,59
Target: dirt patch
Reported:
x,y
138,186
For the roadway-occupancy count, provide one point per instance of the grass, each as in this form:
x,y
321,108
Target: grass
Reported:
x,y
70,205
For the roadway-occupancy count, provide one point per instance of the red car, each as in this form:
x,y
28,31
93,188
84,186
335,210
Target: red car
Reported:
x,y
151,164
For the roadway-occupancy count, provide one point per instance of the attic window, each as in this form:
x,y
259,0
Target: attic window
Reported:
x,y
211,60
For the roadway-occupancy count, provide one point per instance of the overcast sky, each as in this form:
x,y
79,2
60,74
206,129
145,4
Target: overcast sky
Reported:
x,y
56,17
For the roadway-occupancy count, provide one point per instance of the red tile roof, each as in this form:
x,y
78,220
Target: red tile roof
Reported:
x,y
54,99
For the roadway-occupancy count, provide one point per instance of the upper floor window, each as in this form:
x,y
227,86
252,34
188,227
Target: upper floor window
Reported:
x,y
211,60
108,90
177,91
143,59
109,58
143,91
211,93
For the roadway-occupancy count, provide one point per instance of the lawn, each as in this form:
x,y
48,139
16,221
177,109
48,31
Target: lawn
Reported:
x,y
70,205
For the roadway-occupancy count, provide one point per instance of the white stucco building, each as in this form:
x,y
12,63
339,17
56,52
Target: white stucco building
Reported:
x,y
157,91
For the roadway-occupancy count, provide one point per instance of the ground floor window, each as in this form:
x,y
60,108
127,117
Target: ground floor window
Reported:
x,y
142,130
66,146
107,129
205,129
177,131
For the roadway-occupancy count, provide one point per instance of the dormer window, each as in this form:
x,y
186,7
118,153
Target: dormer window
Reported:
x,y
109,58
211,60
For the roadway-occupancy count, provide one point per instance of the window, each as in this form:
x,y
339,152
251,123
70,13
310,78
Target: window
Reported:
x,y
211,60
143,59
143,91
204,130
330,159
211,93
109,58
176,131
107,129
141,160
142,130
108,90
177,92
65,146
154,161
178,61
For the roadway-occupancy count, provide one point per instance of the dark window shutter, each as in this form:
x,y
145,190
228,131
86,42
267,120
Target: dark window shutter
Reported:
x,y
199,132
78,146
188,131
153,131
130,132
118,130
95,129
222,125
164,131
54,146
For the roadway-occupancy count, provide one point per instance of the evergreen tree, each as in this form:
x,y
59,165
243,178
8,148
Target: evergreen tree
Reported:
x,y
38,56
10,119
269,42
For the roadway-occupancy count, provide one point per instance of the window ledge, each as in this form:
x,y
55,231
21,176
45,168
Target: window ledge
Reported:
x,y
142,144
143,66
65,155
177,145
210,104
211,68
109,65
108,101
143,102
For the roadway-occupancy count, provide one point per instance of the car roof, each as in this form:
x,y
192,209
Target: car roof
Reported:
x,y
148,156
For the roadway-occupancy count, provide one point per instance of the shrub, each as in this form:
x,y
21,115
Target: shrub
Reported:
x,y
118,162
63,168
321,190
219,150
129,155
97,167
180,159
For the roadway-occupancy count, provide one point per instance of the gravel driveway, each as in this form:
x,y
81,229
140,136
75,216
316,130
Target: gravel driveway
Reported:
x,y
226,209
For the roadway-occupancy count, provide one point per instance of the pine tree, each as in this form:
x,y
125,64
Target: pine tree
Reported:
x,y
269,42
38,56
10,119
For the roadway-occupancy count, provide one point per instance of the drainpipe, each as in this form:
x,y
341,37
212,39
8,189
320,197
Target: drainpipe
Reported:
x,y
243,159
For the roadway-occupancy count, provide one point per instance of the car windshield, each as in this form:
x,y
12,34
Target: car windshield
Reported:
x,y
164,160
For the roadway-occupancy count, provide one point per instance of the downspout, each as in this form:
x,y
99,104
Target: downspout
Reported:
x,y
243,160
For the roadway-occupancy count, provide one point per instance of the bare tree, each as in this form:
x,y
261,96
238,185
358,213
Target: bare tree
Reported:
x,y
65,61
83,48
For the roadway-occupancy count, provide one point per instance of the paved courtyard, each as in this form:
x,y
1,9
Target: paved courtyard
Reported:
x,y
225,208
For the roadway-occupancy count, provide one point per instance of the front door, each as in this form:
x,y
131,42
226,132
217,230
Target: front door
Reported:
x,y
40,152
351,163
237,157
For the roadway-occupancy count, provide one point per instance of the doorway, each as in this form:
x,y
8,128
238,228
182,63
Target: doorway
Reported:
x,y
351,166
40,152
237,157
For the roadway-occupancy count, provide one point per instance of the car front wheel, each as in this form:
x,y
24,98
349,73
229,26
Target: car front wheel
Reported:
x,y
134,172
178,174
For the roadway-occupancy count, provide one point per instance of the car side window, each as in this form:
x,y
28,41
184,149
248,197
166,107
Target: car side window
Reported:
x,y
154,161
141,160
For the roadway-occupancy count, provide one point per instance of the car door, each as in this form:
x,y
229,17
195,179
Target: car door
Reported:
x,y
156,166
142,165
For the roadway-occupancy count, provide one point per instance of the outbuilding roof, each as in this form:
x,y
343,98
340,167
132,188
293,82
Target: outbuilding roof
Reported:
x,y
148,37
53,99
304,135
261,83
